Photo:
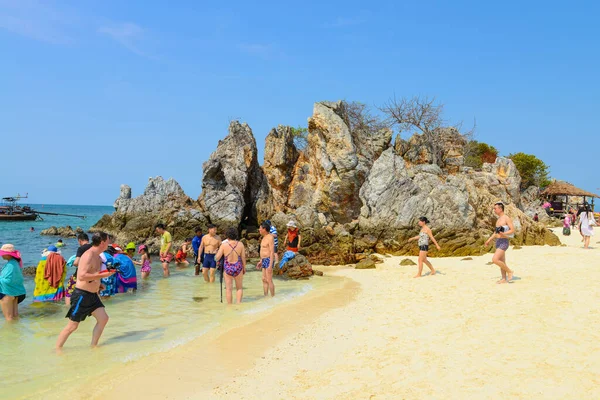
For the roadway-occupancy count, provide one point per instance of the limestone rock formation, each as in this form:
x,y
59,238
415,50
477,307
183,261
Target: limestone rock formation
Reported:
x,y
232,178
532,205
280,160
328,176
352,193
162,202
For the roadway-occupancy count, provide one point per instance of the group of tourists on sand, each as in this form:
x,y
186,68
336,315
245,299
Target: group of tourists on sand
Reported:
x,y
583,220
96,264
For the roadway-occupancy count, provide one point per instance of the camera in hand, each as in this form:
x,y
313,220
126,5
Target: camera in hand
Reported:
x,y
499,229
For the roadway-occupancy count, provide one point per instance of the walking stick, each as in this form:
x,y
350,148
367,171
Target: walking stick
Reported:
x,y
221,262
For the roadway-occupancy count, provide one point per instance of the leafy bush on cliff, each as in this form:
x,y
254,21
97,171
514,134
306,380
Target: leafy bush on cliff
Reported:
x,y
533,171
478,153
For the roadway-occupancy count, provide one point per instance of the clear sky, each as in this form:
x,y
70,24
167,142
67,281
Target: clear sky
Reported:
x,y
98,93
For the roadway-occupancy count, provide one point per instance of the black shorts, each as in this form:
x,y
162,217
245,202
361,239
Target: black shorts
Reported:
x,y
19,298
83,304
424,247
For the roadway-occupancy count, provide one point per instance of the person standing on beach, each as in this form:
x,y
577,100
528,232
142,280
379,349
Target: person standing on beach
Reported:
x,y
85,300
84,245
586,225
198,258
504,231
209,246
424,235
166,245
267,256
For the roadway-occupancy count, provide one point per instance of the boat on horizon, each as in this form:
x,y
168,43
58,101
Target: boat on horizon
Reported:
x,y
11,211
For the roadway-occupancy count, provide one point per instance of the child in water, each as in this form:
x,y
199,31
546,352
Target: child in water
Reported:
x,y
145,262
182,253
423,239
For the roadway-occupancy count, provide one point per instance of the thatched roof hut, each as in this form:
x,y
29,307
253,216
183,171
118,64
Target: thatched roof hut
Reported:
x,y
558,188
562,196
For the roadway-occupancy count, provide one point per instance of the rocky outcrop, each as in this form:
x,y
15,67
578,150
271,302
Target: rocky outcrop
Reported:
x,y
232,179
532,204
163,201
65,231
329,174
416,151
351,191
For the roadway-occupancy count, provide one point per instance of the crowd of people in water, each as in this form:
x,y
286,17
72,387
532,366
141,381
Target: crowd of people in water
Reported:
x,y
104,269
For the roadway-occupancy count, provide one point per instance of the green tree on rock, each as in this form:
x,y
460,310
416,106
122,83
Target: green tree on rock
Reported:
x,y
533,171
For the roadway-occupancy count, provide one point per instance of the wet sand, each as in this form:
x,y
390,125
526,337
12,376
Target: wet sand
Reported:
x,y
380,334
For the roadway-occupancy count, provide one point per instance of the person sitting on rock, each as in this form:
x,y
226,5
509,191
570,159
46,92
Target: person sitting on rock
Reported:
x,y
293,237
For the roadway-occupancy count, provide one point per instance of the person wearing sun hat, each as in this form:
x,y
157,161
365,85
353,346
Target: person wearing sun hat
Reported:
x,y
130,250
293,237
12,290
50,276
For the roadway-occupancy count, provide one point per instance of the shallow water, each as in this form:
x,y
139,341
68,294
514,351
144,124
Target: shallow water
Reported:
x,y
163,314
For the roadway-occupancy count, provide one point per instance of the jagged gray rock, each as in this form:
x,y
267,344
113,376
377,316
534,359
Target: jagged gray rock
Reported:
x,y
232,179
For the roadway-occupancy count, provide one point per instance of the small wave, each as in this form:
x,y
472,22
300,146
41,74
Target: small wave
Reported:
x,y
280,298
165,347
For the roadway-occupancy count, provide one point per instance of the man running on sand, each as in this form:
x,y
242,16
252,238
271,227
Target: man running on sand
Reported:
x,y
505,230
209,246
85,300
267,257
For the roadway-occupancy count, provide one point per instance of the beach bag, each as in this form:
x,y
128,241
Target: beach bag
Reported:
x,y
566,231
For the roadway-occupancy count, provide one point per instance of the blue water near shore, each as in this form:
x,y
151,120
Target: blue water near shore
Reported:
x,y
31,244
161,315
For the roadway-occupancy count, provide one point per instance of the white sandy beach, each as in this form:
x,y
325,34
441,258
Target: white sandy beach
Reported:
x,y
384,335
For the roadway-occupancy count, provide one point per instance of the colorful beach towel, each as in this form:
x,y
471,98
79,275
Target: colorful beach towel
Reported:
x,y
43,290
109,283
126,277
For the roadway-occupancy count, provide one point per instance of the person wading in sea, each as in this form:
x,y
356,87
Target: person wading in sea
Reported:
x,y
166,249
84,245
505,230
85,300
234,265
267,257
198,258
209,246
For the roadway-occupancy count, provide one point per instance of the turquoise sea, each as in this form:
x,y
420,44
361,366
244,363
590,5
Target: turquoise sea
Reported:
x,y
162,314
31,244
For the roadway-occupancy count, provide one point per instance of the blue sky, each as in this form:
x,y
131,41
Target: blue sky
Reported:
x,y
94,94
